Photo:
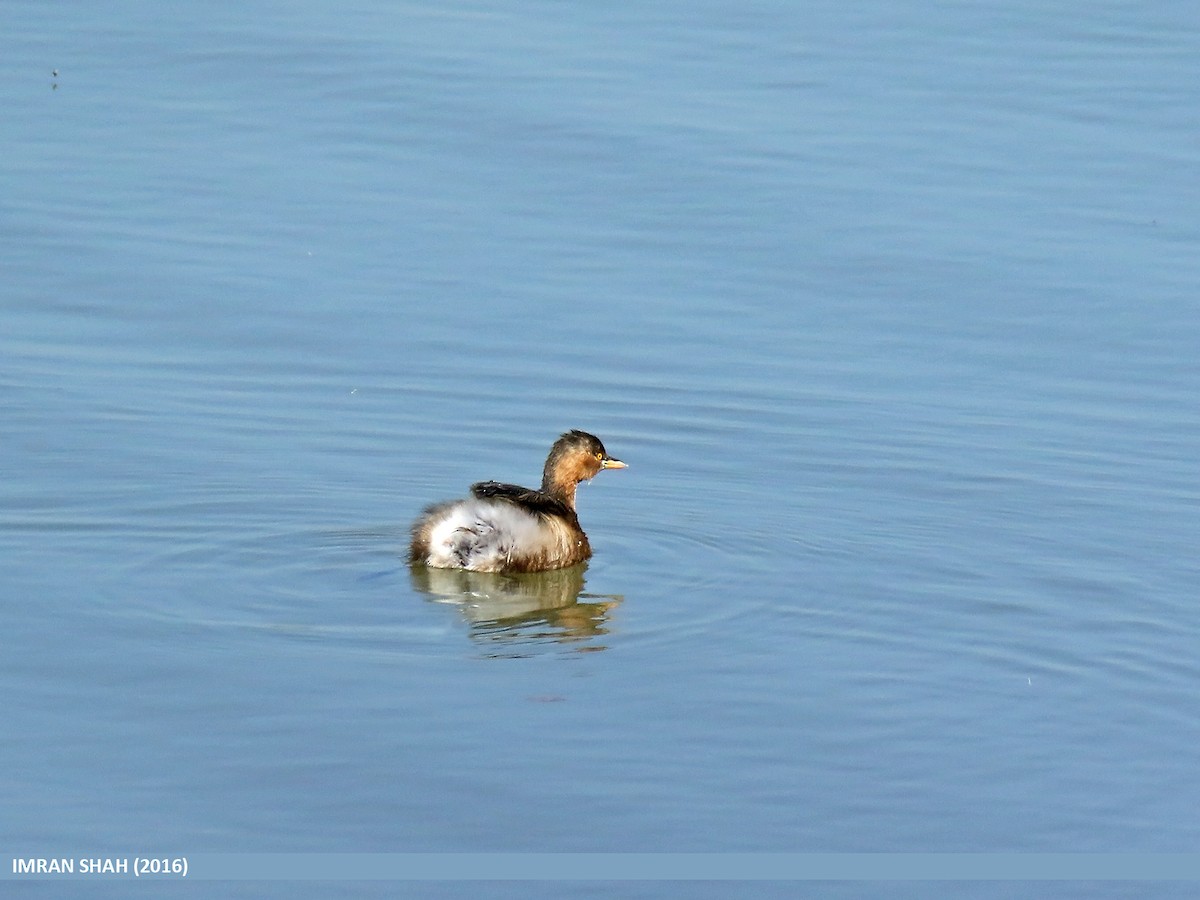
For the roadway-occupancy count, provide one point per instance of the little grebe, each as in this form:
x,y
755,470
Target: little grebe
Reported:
x,y
507,528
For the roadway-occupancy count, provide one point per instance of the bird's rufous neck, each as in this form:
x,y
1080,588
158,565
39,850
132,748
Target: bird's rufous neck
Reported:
x,y
561,489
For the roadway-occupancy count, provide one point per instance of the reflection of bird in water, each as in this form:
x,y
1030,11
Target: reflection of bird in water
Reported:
x,y
506,528
544,606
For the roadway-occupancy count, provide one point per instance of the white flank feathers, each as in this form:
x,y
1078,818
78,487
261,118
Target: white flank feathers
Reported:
x,y
483,535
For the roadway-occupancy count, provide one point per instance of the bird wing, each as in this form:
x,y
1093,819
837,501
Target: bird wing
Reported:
x,y
534,501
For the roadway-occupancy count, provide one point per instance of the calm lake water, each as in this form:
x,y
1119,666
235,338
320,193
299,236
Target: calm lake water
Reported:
x,y
891,308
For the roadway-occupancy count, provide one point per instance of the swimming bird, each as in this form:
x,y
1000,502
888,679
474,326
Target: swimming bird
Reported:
x,y
508,528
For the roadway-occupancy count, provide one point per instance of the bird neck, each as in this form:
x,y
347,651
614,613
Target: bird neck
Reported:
x,y
561,487
561,490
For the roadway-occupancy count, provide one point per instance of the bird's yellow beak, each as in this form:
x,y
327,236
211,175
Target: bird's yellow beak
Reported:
x,y
609,463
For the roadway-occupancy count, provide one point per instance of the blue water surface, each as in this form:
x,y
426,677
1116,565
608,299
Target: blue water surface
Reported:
x,y
891,308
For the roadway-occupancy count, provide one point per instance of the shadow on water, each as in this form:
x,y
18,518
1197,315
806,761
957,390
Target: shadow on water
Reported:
x,y
508,615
